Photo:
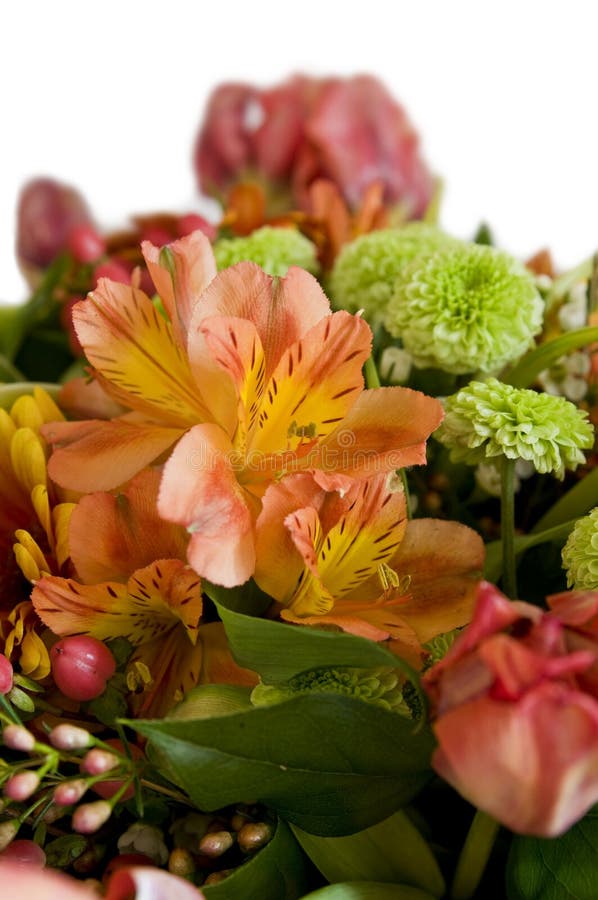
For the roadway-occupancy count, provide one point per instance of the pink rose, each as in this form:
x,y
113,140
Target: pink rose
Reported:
x,y
347,130
517,735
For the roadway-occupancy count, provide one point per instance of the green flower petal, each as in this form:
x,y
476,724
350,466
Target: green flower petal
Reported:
x,y
273,249
580,554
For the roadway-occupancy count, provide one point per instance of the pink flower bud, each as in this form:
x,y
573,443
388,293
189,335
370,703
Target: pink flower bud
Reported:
x,y
48,211
5,675
91,816
70,792
85,243
69,737
24,853
22,785
97,761
16,737
113,270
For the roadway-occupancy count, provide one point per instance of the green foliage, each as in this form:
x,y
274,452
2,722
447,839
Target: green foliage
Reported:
x,y
563,868
330,764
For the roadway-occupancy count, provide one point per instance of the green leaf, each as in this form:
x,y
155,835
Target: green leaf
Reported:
x,y
209,700
278,651
542,357
109,706
11,392
21,700
392,851
368,890
328,763
247,598
277,872
578,501
493,562
563,868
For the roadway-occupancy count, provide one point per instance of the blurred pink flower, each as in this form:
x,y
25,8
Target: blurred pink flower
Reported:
x,y
517,735
125,884
349,130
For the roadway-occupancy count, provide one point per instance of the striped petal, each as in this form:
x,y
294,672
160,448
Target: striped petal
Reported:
x,y
386,429
111,536
96,455
316,382
164,596
181,274
132,346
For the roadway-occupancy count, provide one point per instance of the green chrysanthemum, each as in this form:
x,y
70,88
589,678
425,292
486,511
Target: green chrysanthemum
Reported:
x,y
380,686
468,308
365,271
273,249
487,419
580,554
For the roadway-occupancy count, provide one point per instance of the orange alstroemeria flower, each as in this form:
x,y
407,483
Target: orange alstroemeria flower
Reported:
x,y
252,378
132,582
355,562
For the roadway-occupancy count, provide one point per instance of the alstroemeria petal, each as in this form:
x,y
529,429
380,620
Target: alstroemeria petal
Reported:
x,y
193,268
132,346
175,667
384,430
111,536
282,310
315,384
97,455
155,600
200,491
444,561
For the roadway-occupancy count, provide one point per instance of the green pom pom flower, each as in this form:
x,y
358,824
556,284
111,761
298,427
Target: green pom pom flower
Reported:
x,y
365,271
580,554
465,309
380,686
488,419
273,249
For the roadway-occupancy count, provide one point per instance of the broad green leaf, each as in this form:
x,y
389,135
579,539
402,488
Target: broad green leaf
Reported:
x,y
277,872
61,852
369,890
392,851
328,763
493,563
578,501
563,868
542,357
247,598
278,651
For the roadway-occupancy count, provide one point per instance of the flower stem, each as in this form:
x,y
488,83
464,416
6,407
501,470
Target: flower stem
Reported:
x,y
507,527
474,856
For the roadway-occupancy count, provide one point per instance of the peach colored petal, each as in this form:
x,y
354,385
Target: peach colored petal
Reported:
x,y
200,491
385,429
444,561
282,310
95,455
81,398
112,535
193,268
174,665
278,563
217,663
132,346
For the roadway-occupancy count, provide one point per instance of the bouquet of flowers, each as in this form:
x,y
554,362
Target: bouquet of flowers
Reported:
x,y
299,528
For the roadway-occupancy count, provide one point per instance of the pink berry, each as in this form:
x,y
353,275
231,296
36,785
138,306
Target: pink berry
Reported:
x,y
91,816
18,738
24,853
98,762
85,243
21,786
113,270
81,666
69,792
108,789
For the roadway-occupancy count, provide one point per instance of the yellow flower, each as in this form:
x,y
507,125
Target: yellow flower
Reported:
x,y
34,517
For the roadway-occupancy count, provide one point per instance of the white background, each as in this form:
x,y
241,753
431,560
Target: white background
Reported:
x,y
108,96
